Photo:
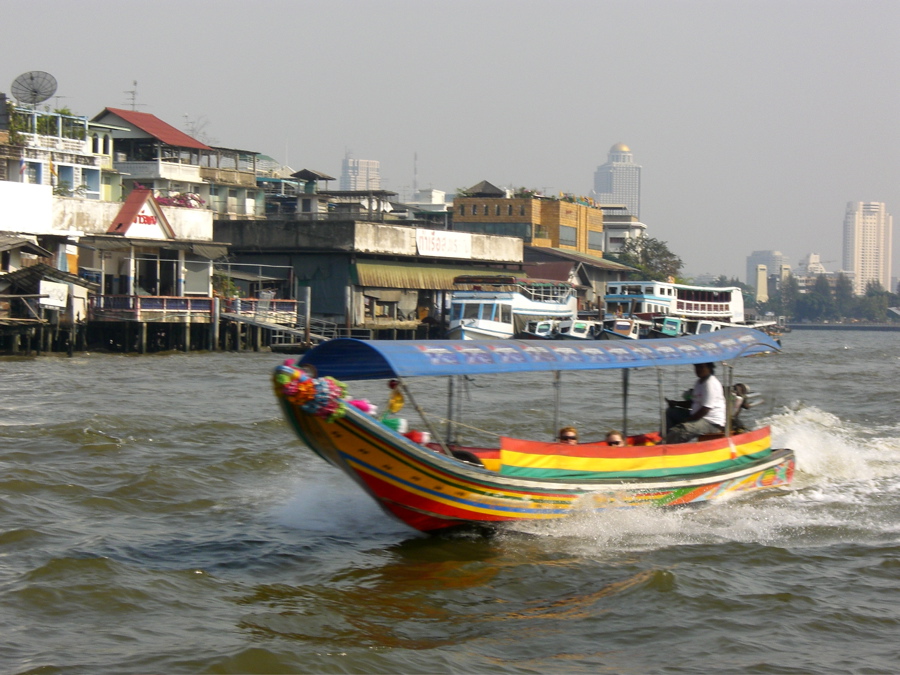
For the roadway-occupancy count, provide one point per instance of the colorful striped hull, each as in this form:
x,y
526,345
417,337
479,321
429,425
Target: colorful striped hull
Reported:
x,y
431,491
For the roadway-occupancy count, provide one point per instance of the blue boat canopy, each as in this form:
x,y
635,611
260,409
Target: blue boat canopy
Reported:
x,y
347,359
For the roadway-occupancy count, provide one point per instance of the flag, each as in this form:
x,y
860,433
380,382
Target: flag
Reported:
x,y
21,166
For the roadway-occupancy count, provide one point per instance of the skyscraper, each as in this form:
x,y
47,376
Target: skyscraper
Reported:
x,y
773,260
360,174
619,180
867,244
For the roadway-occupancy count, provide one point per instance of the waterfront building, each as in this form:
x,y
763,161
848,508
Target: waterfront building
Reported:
x,y
66,235
369,277
619,180
619,227
360,174
181,170
867,244
569,223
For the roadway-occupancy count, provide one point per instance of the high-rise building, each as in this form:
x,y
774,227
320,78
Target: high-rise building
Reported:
x,y
773,260
619,180
360,174
867,244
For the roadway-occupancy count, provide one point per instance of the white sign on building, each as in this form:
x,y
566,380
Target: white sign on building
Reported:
x,y
444,244
57,294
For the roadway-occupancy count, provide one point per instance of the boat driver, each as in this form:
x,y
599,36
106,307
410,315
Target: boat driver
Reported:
x,y
703,414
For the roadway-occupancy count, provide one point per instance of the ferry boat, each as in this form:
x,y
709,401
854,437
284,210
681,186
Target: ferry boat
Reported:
x,y
660,309
431,482
648,299
500,307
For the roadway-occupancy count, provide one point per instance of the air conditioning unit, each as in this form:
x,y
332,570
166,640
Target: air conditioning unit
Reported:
x,y
121,157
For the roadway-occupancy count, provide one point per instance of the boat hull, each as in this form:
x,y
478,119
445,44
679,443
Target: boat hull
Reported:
x,y
431,491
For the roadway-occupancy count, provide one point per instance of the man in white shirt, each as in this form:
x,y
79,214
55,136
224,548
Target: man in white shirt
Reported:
x,y
706,414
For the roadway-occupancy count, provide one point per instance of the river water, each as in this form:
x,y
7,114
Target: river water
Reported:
x,y
158,516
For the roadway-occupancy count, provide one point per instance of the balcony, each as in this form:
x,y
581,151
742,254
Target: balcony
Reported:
x,y
228,177
169,170
154,308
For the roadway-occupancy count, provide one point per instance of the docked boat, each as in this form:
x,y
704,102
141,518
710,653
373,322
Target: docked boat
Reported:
x,y
499,307
579,329
657,298
544,329
671,310
431,482
625,328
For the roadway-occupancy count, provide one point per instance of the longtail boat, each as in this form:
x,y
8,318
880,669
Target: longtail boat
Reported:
x,y
431,483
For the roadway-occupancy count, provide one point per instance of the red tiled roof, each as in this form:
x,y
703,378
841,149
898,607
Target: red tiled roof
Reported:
x,y
154,126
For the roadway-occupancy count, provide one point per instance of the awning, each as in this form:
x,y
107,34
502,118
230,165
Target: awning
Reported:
x,y
244,276
412,276
9,243
210,251
204,249
348,359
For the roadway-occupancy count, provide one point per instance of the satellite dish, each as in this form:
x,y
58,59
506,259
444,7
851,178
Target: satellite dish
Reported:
x,y
33,87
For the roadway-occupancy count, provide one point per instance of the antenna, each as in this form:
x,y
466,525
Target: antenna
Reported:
x,y
415,185
33,87
133,94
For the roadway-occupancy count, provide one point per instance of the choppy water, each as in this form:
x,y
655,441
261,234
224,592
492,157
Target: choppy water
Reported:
x,y
157,516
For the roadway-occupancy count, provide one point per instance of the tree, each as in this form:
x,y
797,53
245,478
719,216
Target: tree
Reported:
x,y
844,300
790,294
817,304
652,257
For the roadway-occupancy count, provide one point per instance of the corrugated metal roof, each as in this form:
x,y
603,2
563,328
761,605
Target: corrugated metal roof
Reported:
x,y
409,275
9,242
154,126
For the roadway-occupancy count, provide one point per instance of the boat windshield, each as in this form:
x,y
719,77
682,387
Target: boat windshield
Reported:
x,y
487,311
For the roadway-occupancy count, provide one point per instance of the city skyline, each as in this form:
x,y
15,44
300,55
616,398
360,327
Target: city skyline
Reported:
x,y
747,118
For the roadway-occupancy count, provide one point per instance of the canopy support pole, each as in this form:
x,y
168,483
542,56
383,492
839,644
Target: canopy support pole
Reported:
x,y
436,436
451,401
625,376
729,397
557,385
662,402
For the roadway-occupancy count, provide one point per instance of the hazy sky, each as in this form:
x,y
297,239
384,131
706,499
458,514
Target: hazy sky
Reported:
x,y
755,122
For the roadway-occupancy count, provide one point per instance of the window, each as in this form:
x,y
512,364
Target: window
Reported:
x,y
521,209
470,310
509,209
456,311
595,240
462,209
474,209
568,235
506,313
497,210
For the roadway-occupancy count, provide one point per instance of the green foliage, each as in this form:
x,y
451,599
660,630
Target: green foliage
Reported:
x,y
651,257
844,299
822,303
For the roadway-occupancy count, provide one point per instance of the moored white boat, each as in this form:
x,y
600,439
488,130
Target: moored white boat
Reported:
x,y
499,307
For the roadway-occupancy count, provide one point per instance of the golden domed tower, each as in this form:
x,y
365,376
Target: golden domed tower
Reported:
x,y
619,180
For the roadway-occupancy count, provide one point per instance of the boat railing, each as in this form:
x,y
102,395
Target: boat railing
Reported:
x,y
546,293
